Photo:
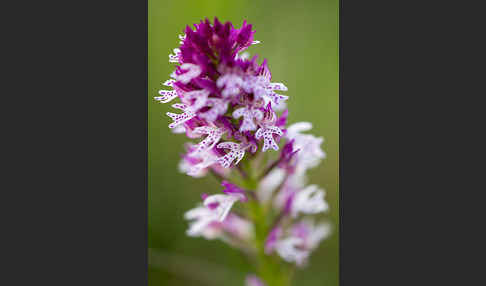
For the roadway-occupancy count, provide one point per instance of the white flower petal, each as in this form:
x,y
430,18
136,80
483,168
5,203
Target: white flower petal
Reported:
x,y
289,249
270,183
309,201
225,202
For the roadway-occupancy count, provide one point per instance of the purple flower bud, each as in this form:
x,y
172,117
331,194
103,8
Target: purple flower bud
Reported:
x,y
282,120
231,189
225,121
252,141
288,203
287,154
245,35
272,239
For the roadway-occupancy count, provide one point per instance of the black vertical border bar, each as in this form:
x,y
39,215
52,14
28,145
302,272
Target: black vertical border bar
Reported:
x,y
79,74
410,99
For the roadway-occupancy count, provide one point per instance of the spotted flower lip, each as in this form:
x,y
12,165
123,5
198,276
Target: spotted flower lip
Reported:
x,y
180,118
250,115
267,132
235,154
213,136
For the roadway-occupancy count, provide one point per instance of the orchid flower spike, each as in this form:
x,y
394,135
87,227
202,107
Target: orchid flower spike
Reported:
x,y
233,113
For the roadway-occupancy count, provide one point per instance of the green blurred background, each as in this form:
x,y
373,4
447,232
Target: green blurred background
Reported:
x,y
300,41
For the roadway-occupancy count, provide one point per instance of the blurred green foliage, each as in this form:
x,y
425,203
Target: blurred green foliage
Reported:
x,y
300,41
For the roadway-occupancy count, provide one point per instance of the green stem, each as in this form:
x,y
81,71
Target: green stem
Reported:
x,y
270,269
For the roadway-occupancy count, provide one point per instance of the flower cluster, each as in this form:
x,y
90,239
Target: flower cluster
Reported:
x,y
229,105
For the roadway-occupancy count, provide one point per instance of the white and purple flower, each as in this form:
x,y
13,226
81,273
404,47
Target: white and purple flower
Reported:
x,y
215,209
302,239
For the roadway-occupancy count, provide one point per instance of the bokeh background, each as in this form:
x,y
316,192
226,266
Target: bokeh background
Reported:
x,y
300,41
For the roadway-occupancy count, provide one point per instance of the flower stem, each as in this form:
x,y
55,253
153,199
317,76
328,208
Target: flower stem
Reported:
x,y
269,268
269,169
